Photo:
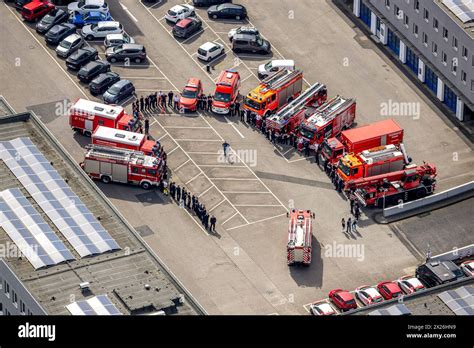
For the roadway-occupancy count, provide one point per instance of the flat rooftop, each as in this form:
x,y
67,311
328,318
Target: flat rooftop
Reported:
x,y
133,278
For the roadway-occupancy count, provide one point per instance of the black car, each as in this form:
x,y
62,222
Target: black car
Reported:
x,y
81,57
437,273
58,32
56,16
102,82
187,27
92,69
119,91
228,11
205,3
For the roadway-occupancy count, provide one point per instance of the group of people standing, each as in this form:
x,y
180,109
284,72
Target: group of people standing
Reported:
x,y
158,101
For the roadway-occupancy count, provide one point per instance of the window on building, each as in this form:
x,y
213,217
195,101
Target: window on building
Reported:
x,y
22,307
434,48
415,29
445,34
397,12
454,66
417,5
425,39
426,15
435,24
387,3
465,52
14,298
6,288
1,308
463,76
444,58
7,312
1,283
455,43
406,20
472,85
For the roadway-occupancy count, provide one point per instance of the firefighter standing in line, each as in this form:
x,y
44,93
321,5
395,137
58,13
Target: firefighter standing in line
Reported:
x,y
178,194
231,109
176,101
306,148
343,223
142,103
237,107
213,223
170,99
349,226
147,126
209,102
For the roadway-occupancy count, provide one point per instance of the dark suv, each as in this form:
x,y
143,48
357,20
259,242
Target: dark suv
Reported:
x,y
60,31
132,52
439,272
227,11
92,69
81,57
187,27
57,16
102,82
203,3
250,43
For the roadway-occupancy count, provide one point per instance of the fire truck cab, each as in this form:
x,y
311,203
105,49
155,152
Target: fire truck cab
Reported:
x,y
300,236
274,92
227,91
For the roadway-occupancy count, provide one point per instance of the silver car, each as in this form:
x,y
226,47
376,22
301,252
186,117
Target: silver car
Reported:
x,y
69,45
117,39
101,30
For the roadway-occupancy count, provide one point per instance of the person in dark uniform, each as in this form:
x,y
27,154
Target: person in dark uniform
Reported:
x,y
206,221
173,190
142,104
237,107
147,126
231,109
209,102
189,200
213,223
178,194
170,98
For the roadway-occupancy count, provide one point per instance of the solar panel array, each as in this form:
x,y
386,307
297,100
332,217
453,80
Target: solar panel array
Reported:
x,y
463,9
97,305
32,235
56,199
460,301
398,309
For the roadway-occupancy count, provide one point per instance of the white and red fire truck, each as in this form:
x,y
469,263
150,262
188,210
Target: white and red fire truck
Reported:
x,y
413,182
274,92
300,236
86,115
105,136
328,121
290,117
110,164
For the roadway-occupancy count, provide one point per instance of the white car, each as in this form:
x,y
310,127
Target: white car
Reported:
x,y
242,30
368,295
272,67
410,284
179,12
69,45
322,308
101,30
85,6
468,268
209,51
117,39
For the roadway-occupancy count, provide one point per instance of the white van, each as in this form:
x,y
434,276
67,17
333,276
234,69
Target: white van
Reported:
x,y
274,66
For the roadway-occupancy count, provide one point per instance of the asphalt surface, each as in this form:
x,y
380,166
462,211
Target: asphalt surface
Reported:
x,y
242,269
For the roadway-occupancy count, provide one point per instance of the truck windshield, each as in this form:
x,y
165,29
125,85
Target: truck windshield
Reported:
x,y
344,168
327,150
189,94
223,97
268,66
307,133
252,103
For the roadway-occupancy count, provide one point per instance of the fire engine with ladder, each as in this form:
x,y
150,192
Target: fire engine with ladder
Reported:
x,y
86,115
328,121
413,182
109,164
290,117
300,236
274,92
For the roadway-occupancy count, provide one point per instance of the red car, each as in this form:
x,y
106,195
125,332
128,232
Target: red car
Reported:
x,y
343,299
188,99
389,290
36,10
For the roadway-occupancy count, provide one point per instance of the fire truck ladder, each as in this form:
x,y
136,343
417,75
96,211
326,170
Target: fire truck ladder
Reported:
x,y
328,110
279,79
115,153
382,154
299,102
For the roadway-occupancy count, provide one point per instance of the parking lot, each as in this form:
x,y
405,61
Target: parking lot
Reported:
x,y
242,269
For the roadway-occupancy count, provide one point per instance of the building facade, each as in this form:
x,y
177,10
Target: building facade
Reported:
x,y
434,39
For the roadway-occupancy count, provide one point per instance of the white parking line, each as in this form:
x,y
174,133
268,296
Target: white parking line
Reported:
x,y
128,12
162,135
142,78
192,36
204,153
202,140
194,177
234,179
256,222
235,128
257,205
218,204
252,192
220,166
186,127
181,165
229,219
205,191
170,152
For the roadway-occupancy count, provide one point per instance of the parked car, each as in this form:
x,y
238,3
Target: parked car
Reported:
x,y
56,16
133,52
321,308
36,10
93,69
205,3
69,45
178,12
118,92
20,3
242,30
92,17
251,44
187,27
468,268
117,39
85,6
188,99
57,33
102,82
343,299
210,50
81,57
101,30
438,272
410,284
274,66
389,290
368,295
227,11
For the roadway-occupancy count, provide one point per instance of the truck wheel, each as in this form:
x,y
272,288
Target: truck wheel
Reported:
x,y
106,179
145,185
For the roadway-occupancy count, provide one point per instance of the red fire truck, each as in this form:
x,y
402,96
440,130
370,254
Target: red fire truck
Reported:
x,y
413,182
329,120
290,117
86,115
227,91
358,139
124,139
274,92
110,164
300,237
